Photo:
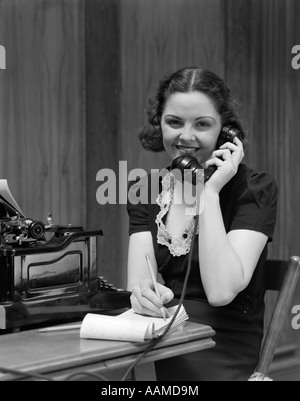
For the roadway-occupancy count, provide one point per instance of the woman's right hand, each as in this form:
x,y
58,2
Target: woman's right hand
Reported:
x,y
145,301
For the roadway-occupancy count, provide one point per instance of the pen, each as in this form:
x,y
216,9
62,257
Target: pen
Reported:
x,y
154,283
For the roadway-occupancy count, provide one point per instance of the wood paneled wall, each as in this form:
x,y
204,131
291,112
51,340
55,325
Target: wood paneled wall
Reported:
x,y
103,111
157,38
42,103
261,35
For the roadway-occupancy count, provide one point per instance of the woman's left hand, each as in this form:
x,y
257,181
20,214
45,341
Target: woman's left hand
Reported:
x,y
227,159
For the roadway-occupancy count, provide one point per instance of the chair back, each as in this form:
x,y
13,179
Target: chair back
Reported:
x,y
282,276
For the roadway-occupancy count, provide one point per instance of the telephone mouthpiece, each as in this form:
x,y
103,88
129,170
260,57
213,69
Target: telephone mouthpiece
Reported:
x,y
190,165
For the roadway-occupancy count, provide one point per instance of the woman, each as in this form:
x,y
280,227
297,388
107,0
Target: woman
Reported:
x,y
226,285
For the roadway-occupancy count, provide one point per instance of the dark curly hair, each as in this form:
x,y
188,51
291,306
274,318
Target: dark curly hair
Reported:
x,y
187,80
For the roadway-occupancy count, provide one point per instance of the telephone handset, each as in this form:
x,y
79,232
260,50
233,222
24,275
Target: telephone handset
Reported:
x,y
187,162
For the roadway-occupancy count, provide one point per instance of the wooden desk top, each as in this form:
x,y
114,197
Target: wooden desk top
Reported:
x,y
33,351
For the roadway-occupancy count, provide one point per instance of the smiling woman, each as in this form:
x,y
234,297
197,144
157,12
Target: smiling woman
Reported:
x,y
190,125
225,290
188,84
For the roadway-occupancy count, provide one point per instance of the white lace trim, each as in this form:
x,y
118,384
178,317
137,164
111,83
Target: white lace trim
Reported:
x,y
179,245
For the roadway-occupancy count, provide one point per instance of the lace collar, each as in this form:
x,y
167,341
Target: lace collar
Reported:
x,y
180,245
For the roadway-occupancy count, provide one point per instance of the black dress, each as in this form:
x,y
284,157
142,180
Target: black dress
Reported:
x,y
248,201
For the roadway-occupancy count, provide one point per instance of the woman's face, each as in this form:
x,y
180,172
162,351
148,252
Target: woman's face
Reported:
x,y
190,125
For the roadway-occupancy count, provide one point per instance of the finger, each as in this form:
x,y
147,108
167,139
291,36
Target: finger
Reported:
x,y
138,293
148,301
225,154
165,293
238,142
215,161
229,145
150,297
136,306
141,305
240,146
135,298
237,151
141,310
146,290
145,299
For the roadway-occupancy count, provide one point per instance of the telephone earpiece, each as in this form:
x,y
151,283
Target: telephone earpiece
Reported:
x,y
228,134
187,162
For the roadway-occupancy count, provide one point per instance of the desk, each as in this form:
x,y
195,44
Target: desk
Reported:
x,y
59,354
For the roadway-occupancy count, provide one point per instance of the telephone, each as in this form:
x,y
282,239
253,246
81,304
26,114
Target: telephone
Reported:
x,y
187,162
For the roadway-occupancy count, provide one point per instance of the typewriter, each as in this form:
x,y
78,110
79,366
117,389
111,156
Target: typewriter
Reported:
x,y
48,273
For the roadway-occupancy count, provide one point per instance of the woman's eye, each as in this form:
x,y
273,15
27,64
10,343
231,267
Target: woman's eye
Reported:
x,y
203,124
174,123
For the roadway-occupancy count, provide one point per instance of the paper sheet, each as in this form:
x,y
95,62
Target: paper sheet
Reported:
x,y
7,195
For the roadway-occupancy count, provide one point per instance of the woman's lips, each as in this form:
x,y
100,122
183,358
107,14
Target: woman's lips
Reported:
x,y
187,149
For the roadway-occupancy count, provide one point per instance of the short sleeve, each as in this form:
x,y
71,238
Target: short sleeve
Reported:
x,y
256,206
137,207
